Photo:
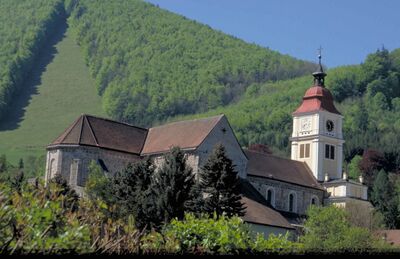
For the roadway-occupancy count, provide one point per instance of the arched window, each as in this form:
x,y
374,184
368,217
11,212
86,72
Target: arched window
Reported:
x,y
270,196
314,200
292,202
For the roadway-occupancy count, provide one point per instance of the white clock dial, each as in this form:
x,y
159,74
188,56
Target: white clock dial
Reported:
x,y
305,124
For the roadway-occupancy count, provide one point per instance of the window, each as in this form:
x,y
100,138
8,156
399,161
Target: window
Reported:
x,y
292,202
329,151
304,150
270,196
314,200
73,173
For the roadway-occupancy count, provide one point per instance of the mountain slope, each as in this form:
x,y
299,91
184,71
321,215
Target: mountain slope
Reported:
x,y
58,91
370,103
150,64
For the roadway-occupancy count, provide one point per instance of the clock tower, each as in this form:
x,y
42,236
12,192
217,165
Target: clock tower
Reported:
x,y
317,131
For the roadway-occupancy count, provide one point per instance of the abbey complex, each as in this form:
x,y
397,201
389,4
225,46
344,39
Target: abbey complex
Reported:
x,y
276,191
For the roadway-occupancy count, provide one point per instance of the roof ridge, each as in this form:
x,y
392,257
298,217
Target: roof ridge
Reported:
x,y
68,130
80,132
114,121
195,119
91,131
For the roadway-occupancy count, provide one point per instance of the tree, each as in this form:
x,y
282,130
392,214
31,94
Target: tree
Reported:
x,y
219,184
372,160
382,196
21,163
144,209
173,182
3,163
354,167
327,229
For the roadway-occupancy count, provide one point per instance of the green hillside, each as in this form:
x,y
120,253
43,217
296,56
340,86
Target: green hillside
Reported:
x,y
151,64
25,26
58,91
370,102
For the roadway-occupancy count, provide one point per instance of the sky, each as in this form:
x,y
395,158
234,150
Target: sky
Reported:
x,y
347,30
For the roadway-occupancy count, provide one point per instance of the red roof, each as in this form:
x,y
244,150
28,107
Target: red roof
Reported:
x,y
184,134
317,98
99,132
280,169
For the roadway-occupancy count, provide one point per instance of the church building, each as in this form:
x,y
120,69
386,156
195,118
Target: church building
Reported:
x,y
276,191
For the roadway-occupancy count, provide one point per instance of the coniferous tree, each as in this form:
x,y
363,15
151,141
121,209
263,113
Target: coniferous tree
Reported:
x,y
144,209
219,183
21,163
383,199
172,185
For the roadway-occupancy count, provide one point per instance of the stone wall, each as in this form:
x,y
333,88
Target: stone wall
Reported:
x,y
222,133
282,190
72,162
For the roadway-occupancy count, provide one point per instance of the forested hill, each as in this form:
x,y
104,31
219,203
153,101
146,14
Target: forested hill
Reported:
x,y
368,95
150,64
25,26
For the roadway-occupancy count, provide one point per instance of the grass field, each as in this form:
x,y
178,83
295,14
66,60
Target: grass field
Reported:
x,y
57,92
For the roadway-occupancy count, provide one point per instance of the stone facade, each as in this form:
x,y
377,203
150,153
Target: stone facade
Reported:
x,y
72,162
303,197
222,133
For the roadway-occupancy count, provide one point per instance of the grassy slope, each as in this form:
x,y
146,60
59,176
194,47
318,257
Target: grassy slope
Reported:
x,y
58,92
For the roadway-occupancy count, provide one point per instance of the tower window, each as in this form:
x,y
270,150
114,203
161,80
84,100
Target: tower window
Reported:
x,y
329,151
304,150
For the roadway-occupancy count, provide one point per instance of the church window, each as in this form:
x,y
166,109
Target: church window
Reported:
x,y
329,151
304,150
292,202
270,196
314,200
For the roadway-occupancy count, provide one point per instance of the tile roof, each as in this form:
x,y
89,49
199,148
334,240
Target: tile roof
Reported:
x,y
392,236
187,134
317,98
257,209
280,169
99,132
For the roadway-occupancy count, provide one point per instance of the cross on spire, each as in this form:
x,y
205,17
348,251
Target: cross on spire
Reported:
x,y
319,75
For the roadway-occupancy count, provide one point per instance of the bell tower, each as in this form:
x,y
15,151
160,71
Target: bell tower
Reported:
x,y
317,137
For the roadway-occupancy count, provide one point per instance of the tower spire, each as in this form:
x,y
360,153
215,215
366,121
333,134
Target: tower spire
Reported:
x,y
319,75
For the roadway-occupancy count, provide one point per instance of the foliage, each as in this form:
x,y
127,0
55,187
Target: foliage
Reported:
x,y
214,235
37,220
383,198
150,64
173,182
328,230
219,185
354,167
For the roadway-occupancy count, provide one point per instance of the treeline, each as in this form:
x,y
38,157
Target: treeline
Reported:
x,y
25,27
150,64
369,99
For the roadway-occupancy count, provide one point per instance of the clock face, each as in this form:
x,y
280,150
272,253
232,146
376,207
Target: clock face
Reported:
x,y
329,125
305,124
